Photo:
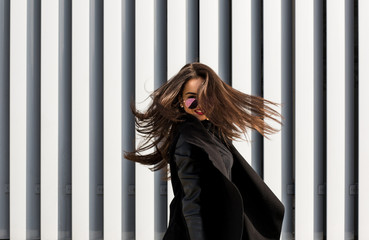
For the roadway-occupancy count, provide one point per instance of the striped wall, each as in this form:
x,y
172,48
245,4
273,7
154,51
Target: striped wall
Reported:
x,y
69,69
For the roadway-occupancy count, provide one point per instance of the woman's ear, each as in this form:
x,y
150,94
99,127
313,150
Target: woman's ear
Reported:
x,y
180,101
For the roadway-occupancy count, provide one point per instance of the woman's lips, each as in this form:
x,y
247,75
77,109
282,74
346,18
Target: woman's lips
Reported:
x,y
199,112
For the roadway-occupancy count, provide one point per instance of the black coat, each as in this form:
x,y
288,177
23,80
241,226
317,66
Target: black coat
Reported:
x,y
220,208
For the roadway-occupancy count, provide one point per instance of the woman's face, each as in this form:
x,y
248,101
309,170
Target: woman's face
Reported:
x,y
190,93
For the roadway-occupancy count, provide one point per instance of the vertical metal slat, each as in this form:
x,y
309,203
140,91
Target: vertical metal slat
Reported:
x,y
128,125
363,229
192,30
177,49
80,120
257,79
304,115
144,71
288,131
65,121
241,62
225,40
351,157
336,119
4,117
160,77
33,117
18,109
209,43
320,121
96,119
272,51
113,153
49,120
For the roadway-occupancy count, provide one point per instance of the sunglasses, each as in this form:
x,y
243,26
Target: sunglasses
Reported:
x,y
191,103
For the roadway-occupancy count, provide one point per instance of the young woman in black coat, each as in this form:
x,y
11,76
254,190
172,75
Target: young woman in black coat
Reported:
x,y
191,124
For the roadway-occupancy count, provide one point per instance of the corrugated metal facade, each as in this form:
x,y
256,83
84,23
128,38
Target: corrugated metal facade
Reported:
x,y
69,69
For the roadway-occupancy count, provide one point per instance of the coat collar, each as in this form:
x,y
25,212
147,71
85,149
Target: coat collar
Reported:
x,y
204,126
196,132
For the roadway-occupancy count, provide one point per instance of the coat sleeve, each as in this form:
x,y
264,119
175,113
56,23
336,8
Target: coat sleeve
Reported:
x,y
186,157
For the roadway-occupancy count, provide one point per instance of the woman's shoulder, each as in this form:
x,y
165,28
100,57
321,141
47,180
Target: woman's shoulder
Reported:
x,y
191,137
186,146
183,147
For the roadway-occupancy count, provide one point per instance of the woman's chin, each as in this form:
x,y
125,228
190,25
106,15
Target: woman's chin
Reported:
x,y
200,117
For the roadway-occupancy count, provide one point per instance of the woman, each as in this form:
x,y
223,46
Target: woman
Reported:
x,y
191,122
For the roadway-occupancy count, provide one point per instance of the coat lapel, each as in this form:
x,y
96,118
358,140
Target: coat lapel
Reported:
x,y
195,133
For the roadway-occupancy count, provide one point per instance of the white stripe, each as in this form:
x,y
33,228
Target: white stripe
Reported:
x,y
176,50
304,224
144,86
363,120
272,91
49,119
18,93
241,60
80,119
112,120
335,119
209,40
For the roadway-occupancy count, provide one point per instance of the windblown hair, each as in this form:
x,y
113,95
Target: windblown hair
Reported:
x,y
229,110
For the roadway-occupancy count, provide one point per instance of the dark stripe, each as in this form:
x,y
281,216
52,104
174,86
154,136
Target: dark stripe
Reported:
x,y
65,121
225,41
33,118
351,118
128,124
96,118
4,117
160,77
288,130
192,31
320,119
257,80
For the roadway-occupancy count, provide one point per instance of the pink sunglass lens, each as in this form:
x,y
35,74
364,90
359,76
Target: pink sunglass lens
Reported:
x,y
191,103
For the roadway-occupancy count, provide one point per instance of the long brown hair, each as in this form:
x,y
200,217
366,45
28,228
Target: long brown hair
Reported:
x,y
158,123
